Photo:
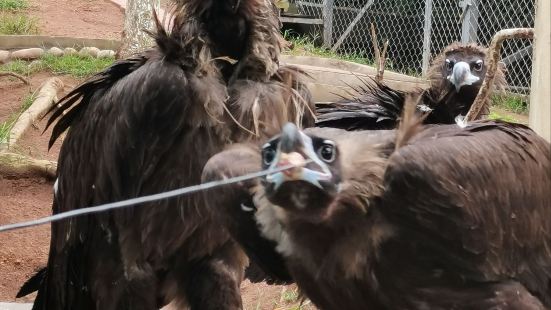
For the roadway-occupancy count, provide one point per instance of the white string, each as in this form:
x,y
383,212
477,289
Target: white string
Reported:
x,y
142,199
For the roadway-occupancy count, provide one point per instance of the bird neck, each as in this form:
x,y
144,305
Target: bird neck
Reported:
x,y
342,243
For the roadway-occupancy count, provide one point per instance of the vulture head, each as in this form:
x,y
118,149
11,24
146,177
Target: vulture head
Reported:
x,y
464,70
461,69
313,180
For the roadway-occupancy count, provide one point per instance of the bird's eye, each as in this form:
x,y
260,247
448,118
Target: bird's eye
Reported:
x,y
449,64
327,152
268,155
478,65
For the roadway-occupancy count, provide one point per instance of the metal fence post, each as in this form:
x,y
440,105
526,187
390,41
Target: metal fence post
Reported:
x,y
540,97
353,24
469,27
427,31
327,23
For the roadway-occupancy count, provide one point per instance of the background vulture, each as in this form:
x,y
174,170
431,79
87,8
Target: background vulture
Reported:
x,y
421,218
455,77
148,124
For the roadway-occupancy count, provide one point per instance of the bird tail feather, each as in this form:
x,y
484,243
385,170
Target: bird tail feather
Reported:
x,y
411,122
32,284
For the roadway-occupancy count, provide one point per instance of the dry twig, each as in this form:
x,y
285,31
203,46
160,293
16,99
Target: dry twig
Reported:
x,y
15,75
380,58
492,61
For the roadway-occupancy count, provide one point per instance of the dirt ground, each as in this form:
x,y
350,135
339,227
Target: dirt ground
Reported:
x,y
96,19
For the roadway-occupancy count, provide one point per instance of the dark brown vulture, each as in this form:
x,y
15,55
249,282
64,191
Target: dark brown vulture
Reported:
x,y
441,217
146,125
455,77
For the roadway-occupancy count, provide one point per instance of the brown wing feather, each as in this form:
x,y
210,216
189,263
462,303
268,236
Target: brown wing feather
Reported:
x,y
477,200
236,210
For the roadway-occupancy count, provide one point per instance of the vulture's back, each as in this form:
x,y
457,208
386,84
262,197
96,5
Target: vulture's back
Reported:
x,y
472,206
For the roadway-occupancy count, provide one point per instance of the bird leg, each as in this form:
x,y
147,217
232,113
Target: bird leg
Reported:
x,y
213,283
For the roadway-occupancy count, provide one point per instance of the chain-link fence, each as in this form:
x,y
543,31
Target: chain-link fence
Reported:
x,y
417,30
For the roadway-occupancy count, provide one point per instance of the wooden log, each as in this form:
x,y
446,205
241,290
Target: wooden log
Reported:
x,y
12,164
45,99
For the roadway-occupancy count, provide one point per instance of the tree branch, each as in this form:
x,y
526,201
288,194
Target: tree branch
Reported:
x,y
380,58
16,164
15,75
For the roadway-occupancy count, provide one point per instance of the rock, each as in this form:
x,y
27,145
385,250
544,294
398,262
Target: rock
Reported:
x,y
35,64
89,51
55,51
106,54
28,53
4,56
70,51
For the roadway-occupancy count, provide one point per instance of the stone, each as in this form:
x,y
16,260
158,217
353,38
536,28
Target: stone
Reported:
x,y
55,51
35,64
106,54
28,54
70,51
89,51
4,56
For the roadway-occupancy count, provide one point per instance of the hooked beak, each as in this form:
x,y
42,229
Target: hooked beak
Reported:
x,y
461,75
296,149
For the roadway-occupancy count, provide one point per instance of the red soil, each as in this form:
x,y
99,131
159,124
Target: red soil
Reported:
x,y
96,19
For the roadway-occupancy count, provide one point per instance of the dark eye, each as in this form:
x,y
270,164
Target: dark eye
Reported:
x,y
449,64
268,155
327,152
478,65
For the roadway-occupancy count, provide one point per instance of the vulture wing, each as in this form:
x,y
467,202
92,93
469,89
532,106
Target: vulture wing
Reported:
x,y
79,97
376,106
472,207
136,129
237,210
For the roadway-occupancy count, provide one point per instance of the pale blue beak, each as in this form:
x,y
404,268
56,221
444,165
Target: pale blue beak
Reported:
x,y
296,148
461,75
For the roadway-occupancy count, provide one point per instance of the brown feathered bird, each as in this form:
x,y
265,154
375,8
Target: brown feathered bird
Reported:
x,y
455,77
421,218
148,124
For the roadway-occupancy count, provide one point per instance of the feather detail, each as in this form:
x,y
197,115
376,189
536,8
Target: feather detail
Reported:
x,y
411,123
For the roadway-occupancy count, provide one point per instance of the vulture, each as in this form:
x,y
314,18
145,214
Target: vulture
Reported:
x,y
421,217
148,124
455,77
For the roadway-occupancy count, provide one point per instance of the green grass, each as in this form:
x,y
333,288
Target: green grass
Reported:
x,y
13,5
77,66
74,65
305,46
511,102
289,296
19,67
17,24
8,124
507,118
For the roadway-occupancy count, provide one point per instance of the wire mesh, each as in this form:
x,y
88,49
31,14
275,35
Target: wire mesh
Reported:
x,y
418,30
